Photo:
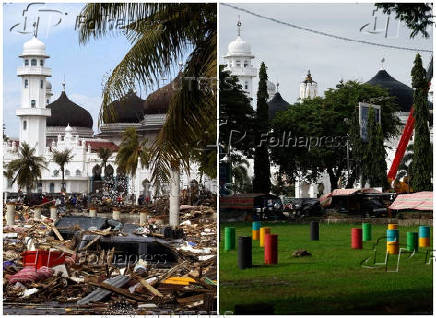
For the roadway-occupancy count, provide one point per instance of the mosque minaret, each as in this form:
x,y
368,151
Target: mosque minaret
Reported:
x,y
239,61
33,112
308,87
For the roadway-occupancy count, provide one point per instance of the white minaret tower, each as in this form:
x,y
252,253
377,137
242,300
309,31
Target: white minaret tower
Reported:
x,y
48,92
239,63
308,88
32,112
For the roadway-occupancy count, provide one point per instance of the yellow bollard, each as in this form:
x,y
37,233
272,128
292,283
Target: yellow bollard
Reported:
x,y
255,234
424,242
263,232
393,248
392,226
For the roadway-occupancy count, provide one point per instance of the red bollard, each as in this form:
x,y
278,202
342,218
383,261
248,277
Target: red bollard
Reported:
x,y
271,248
356,238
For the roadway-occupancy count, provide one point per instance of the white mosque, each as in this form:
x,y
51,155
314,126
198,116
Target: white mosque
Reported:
x,y
239,63
62,124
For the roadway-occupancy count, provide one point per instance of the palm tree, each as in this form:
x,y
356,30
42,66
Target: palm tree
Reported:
x,y
242,180
27,168
104,154
130,151
62,158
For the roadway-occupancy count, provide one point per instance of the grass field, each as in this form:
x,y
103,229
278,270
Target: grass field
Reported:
x,y
331,281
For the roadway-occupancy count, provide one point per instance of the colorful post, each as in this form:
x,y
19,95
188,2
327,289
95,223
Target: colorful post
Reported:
x,y
412,241
314,231
229,238
367,232
263,232
271,244
392,226
393,241
244,252
424,236
255,230
356,238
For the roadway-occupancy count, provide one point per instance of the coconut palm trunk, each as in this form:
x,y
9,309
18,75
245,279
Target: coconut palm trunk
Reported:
x,y
63,180
174,196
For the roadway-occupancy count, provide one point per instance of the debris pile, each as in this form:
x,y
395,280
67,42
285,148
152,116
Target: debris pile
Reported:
x,y
96,265
301,253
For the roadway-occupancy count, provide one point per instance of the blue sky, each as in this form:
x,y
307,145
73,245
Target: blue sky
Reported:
x,y
84,66
289,53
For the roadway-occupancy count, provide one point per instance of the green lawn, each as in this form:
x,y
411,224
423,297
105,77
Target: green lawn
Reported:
x,y
331,281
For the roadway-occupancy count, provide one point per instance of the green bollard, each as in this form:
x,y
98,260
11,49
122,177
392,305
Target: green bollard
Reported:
x,y
229,238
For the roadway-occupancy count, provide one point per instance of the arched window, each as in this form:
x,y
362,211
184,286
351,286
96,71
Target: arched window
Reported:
x,y
245,63
33,103
67,172
26,62
48,101
246,84
52,187
42,83
96,172
33,62
26,83
24,124
78,173
41,62
238,63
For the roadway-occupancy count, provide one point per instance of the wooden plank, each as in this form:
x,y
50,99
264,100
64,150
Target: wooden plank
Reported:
x,y
62,248
119,291
58,234
150,288
96,239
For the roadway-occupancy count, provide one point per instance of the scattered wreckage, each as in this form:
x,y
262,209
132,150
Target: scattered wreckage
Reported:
x,y
97,265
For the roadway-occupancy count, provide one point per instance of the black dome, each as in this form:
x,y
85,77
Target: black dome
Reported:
x,y
276,104
129,109
158,102
402,92
64,112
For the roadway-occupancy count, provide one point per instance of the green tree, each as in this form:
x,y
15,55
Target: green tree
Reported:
x,y
421,168
374,167
104,154
236,116
330,121
242,183
262,174
131,150
417,16
27,168
161,34
61,158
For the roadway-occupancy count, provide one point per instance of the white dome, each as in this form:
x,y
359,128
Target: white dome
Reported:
x,y
239,47
68,128
270,86
34,47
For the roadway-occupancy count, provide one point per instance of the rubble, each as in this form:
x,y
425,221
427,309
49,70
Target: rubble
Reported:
x,y
96,265
301,253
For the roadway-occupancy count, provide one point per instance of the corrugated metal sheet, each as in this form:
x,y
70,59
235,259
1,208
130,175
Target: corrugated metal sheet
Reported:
x,y
100,293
